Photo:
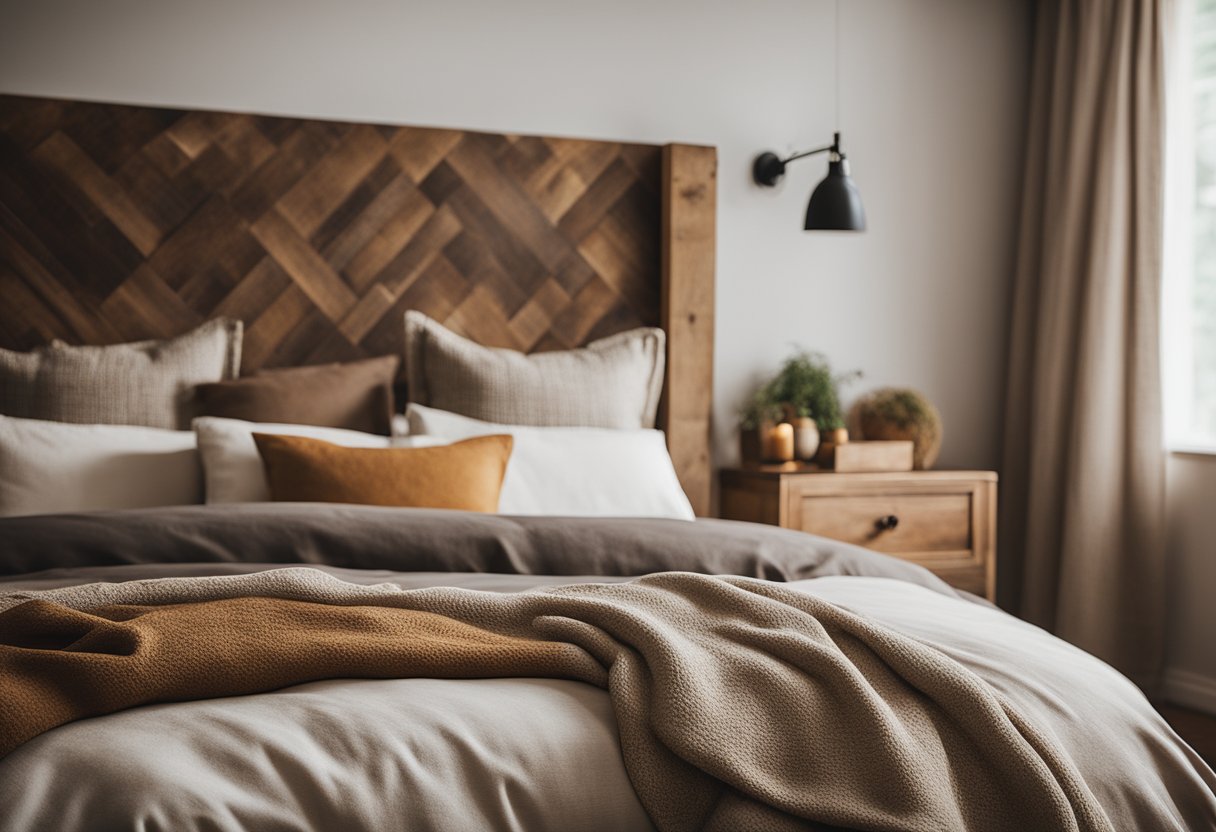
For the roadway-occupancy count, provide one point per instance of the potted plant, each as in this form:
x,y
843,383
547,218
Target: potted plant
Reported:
x,y
805,393
810,392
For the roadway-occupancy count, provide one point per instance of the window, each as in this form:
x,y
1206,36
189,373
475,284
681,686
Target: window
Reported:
x,y
1189,309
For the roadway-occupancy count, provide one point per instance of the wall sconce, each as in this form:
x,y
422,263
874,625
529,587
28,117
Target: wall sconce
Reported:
x,y
835,203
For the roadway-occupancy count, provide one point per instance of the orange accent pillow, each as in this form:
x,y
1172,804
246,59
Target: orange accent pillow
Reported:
x,y
464,475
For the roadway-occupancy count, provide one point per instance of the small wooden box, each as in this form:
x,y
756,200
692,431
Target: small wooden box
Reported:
x,y
873,456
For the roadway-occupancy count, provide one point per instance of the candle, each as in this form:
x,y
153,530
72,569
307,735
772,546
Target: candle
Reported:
x,y
780,444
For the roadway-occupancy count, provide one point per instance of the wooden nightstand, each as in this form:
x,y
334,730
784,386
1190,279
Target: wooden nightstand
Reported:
x,y
943,520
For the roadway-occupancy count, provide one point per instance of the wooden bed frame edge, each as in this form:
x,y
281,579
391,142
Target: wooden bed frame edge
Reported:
x,y
689,236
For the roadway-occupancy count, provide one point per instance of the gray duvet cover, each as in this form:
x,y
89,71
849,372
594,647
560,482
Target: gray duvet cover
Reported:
x,y
433,540
524,754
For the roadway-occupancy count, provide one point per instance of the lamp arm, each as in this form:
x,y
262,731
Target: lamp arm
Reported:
x,y
768,168
806,153
834,147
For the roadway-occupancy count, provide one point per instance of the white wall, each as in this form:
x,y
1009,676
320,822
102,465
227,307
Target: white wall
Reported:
x,y
932,113
1190,677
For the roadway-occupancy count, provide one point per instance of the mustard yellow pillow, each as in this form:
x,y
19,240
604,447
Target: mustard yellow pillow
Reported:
x,y
464,475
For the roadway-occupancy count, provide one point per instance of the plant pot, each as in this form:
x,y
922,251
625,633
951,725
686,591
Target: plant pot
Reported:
x,y
827,446
751,444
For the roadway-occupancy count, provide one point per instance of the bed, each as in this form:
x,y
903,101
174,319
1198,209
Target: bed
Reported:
x,y
286,664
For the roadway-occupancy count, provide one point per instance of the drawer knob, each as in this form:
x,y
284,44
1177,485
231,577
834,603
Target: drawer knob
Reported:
x,y
886,524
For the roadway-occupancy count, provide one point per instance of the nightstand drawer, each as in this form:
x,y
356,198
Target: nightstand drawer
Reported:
x,y
912,524
943,520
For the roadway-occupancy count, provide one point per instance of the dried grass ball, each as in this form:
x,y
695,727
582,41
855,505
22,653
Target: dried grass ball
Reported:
x,y
901,413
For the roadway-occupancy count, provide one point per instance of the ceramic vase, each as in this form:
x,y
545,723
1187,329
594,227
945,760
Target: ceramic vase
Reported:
x,y
806,438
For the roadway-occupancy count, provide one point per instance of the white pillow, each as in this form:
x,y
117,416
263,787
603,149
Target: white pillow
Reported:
x,y
231,464
567,471
48,467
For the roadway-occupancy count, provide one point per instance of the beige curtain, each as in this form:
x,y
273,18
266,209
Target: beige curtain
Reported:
x,y
1082,544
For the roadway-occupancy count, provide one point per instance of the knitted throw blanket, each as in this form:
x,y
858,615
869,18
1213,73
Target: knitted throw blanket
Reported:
x,y
741,704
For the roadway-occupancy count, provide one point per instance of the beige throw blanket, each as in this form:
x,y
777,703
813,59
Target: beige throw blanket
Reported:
x,y
741,704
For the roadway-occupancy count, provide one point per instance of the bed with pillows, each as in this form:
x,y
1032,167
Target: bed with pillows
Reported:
x,y
284,601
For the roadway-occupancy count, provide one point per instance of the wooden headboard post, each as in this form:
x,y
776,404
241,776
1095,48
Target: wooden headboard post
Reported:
x,y
687,315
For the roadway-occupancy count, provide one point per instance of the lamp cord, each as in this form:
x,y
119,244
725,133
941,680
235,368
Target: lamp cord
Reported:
x,y
836,55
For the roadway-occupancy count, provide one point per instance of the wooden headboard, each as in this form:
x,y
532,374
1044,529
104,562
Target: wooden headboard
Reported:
x,y
119,223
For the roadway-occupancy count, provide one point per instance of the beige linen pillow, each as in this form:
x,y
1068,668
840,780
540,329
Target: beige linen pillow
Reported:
x,y
148,383
614,382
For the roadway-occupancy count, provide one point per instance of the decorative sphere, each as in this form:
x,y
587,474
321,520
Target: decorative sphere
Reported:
x,y
900,413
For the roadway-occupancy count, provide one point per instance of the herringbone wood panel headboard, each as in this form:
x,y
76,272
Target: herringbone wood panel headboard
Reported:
x,y
120,223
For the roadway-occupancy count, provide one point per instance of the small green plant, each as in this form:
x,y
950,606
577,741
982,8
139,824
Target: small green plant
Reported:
x,y
805,386
761,407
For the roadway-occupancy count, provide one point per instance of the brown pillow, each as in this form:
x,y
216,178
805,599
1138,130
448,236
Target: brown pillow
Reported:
x,y
464,475
354,396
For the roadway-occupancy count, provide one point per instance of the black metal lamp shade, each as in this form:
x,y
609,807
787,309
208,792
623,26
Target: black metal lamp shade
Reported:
x,y
835,203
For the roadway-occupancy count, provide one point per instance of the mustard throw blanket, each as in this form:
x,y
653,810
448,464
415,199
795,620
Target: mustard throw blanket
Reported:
x,y
741,704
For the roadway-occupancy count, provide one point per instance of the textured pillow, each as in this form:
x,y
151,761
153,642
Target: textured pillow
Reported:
x,y
149,383
465,475
580,472
232,468
611,383
48,467
353,396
